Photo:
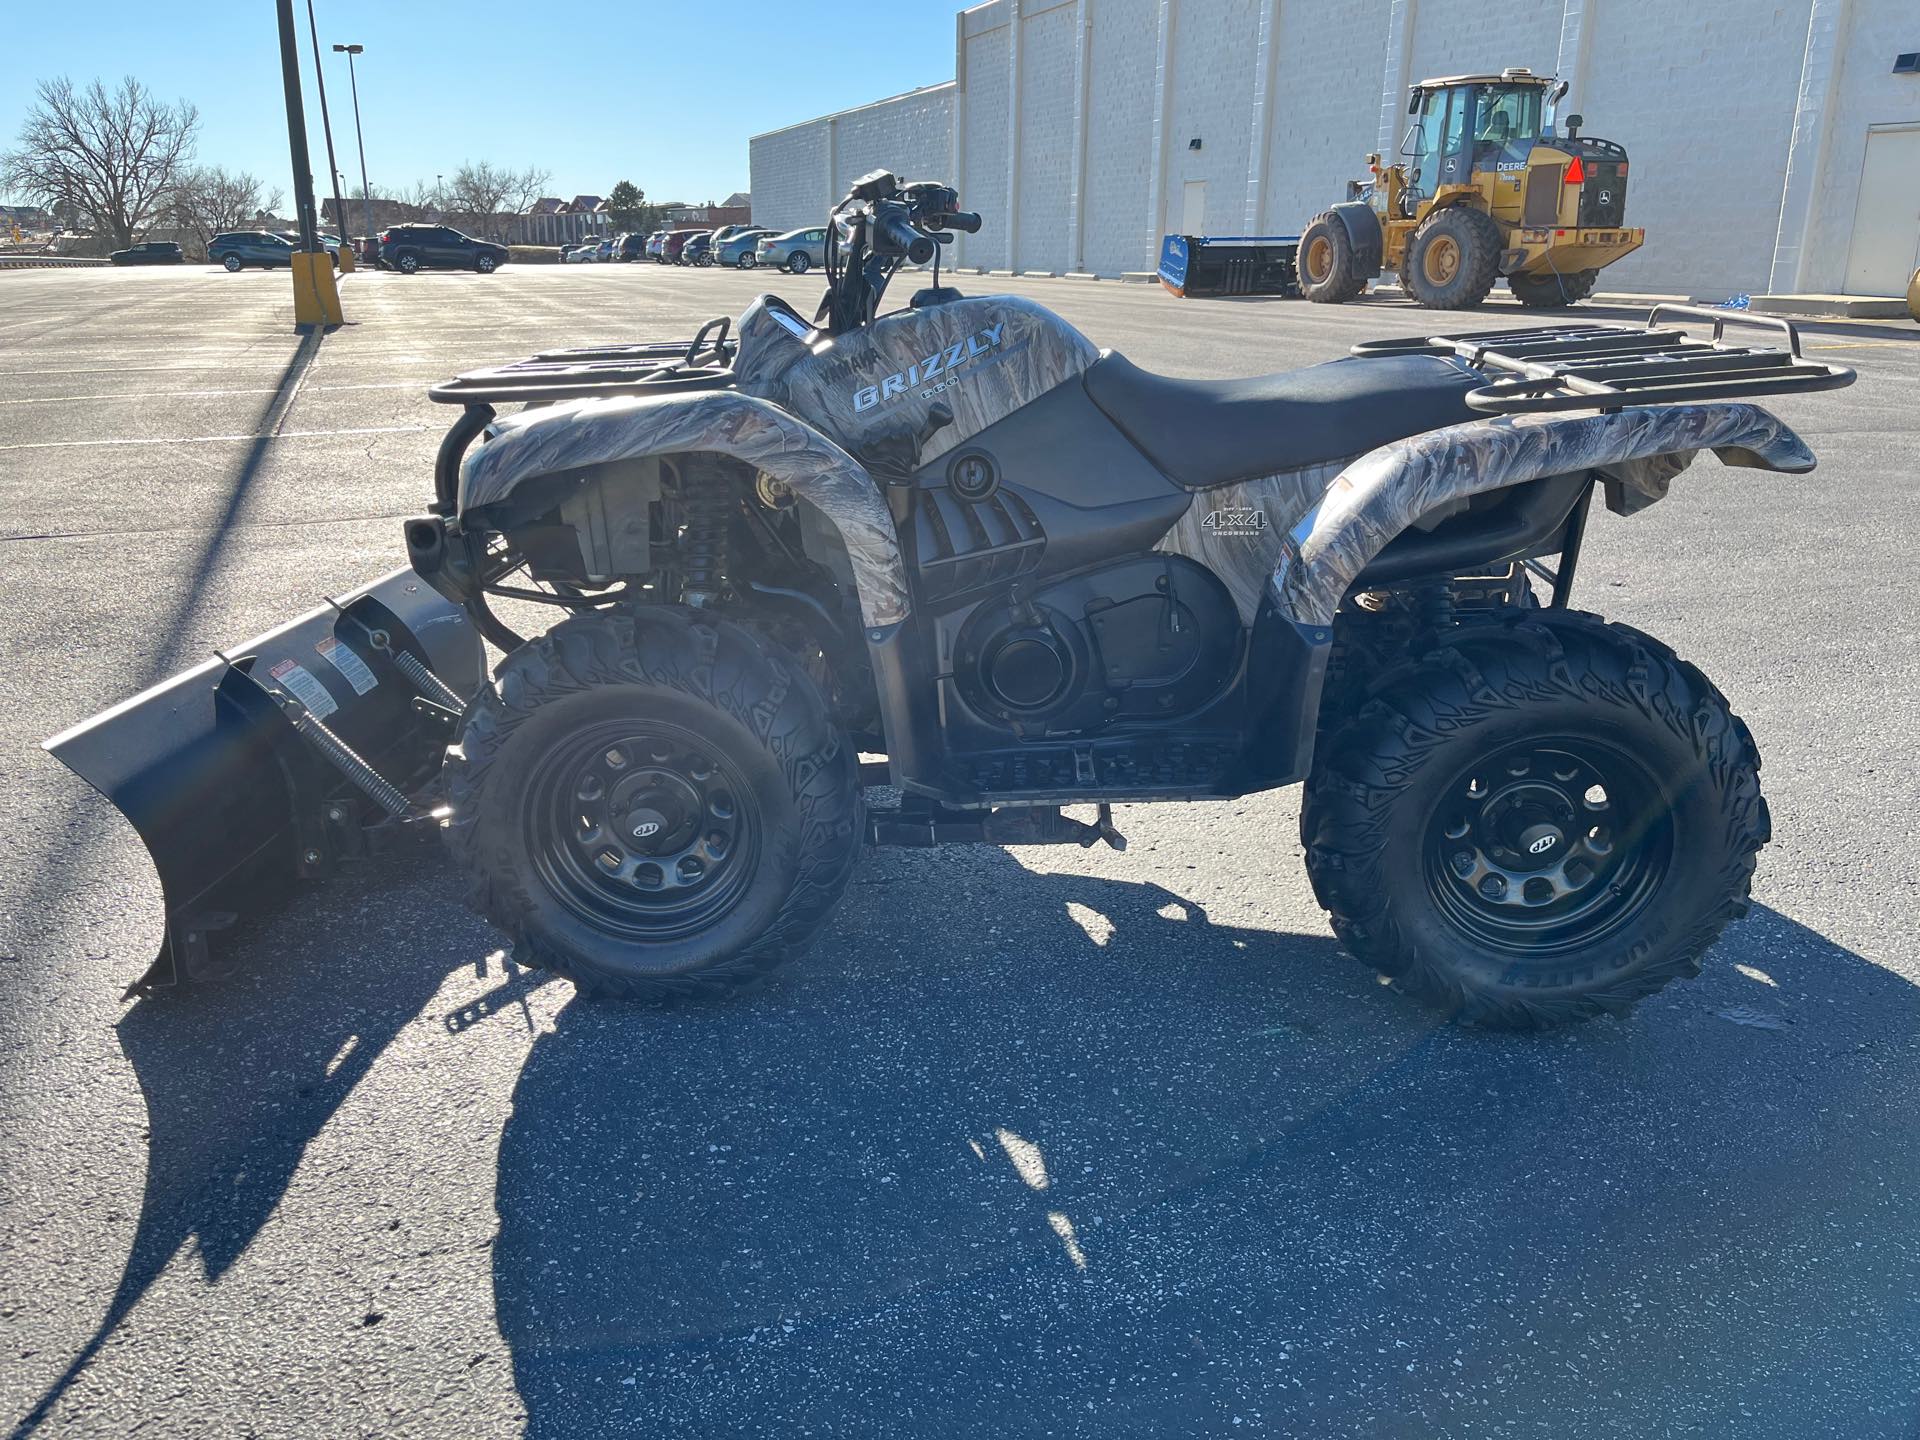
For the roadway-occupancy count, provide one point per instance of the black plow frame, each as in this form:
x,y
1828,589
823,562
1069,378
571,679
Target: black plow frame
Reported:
x,y
281,757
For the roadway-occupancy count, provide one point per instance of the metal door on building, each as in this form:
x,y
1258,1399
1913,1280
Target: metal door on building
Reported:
x,y
1193,208
1886,220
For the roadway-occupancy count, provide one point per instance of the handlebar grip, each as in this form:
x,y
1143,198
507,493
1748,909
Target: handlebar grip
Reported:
x,y
966,220
906,239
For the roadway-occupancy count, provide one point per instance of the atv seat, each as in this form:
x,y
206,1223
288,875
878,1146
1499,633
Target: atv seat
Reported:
x,y
1203,433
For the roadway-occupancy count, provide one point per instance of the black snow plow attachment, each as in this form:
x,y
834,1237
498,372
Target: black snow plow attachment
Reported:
x,y
280,758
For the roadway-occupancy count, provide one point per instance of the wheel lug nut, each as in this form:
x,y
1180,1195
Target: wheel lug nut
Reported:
x,y
1494,887
1463,862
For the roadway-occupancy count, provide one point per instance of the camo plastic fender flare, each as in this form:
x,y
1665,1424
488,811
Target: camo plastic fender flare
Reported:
x,y
593,432
1637,452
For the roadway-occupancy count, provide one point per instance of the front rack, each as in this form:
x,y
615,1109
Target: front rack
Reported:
x,y
597,371
1605,367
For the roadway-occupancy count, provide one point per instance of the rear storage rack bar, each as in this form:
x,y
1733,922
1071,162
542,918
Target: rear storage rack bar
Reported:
x,y
1603,367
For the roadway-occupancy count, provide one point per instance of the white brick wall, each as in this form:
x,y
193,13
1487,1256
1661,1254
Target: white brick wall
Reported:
x,y
1703,93
1120,45
911,135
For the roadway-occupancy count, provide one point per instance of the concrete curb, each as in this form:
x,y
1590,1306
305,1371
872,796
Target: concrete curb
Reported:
x,y
47,262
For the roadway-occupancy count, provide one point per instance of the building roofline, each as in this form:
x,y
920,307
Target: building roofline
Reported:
x,y
855,109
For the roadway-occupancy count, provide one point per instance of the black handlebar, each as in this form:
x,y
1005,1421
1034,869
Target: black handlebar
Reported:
x,y
966,220
902,235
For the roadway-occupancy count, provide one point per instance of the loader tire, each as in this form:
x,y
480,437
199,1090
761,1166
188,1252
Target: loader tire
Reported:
x,y
1329,272
1452,259
1546,819
654,804
1550,292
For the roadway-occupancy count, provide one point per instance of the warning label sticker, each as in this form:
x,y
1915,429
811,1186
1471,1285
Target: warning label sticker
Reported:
x,y
299,682
348,664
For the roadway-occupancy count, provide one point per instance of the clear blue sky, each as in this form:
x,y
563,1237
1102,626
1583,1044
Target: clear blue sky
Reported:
x,y
660,92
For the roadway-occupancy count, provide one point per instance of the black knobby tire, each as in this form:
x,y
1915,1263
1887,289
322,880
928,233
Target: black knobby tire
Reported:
x,y
1394,783
1453,258
1329,272
682,683
1549,292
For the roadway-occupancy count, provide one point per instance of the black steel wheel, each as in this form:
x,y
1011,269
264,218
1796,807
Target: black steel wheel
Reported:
x,y
1548,845
1544,818
654,804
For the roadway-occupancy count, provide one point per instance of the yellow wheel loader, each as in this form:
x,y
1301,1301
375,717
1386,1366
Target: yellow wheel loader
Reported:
x,y
1484,188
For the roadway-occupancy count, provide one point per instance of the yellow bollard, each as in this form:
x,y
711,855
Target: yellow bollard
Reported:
x,y
346,258
316,299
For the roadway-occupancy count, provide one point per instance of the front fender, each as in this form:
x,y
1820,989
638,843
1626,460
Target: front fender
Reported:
x,y
1637,451
725,422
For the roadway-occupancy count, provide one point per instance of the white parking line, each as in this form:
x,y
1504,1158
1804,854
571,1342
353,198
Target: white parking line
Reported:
x,y
217,439
202,394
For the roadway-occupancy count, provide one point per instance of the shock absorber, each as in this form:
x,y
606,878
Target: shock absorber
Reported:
x,y
706,494
1433,606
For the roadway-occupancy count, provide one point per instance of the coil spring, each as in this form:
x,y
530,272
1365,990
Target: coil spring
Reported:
x,y
1433,606
708,510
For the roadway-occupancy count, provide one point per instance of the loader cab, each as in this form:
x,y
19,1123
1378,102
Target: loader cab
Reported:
x,y
1465,128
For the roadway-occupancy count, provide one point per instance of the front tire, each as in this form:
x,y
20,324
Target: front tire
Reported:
x,y
654,804
1550,292
1453,258
1329,272
407,263
1546,819
800,263
485,264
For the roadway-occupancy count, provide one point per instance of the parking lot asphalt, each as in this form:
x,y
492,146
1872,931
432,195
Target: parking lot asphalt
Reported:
x,y
1035,1142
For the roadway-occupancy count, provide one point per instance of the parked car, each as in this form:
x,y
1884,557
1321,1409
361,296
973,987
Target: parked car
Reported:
x,y
670,247
329,243
584,252
408,248
603,252
630,247
796,252
237,249
698,250
149,252
654,242
740,248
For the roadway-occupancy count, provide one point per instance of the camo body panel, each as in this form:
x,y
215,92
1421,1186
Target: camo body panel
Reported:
x,y
1241,554
1636,452
591,432
982,358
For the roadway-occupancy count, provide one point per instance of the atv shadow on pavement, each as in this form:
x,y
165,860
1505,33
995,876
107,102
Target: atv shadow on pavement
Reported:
x,y
1040,1153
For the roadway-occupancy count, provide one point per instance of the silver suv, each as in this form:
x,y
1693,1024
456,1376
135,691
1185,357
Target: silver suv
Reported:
x,y
797,251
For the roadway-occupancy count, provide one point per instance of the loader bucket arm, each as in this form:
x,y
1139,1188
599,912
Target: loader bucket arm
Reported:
x,y
232,797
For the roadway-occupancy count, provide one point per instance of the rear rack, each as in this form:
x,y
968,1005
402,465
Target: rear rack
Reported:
x,y
1605,367
597,371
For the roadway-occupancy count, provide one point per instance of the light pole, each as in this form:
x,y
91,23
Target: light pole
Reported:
x,y
366,190
326,129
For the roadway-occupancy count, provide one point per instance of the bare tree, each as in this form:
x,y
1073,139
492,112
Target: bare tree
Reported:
x,y
111,159
481,193
210,200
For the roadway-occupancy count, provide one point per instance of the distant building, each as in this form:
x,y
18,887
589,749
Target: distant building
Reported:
x,y
553,221
710,213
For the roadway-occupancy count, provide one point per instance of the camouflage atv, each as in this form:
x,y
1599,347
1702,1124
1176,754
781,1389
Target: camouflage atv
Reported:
x,y
1030,575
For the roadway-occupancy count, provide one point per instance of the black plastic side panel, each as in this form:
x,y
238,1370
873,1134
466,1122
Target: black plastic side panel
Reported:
x,y
1363,229
1068,480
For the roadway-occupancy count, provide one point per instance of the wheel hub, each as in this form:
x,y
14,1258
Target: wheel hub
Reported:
x,y
646,831
1547,845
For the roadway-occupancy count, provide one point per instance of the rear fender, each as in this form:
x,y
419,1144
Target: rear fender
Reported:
x,y
572,437
1635,452
1363,230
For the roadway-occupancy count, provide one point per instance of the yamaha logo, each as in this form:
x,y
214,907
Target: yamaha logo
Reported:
x,y
1541,846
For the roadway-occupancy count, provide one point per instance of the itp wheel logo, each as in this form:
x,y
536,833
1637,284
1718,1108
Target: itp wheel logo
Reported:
x,y
1541,846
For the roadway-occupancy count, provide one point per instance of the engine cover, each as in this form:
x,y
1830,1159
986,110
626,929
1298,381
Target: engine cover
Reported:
x,y
1150,638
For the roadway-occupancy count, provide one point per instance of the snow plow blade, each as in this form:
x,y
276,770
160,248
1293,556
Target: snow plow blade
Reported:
x,y
282,757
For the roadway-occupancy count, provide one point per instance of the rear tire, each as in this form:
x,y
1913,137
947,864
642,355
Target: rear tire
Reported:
x,y
1329,272
406,262
231,264
726,751
1550,292
1588,905
1452,259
